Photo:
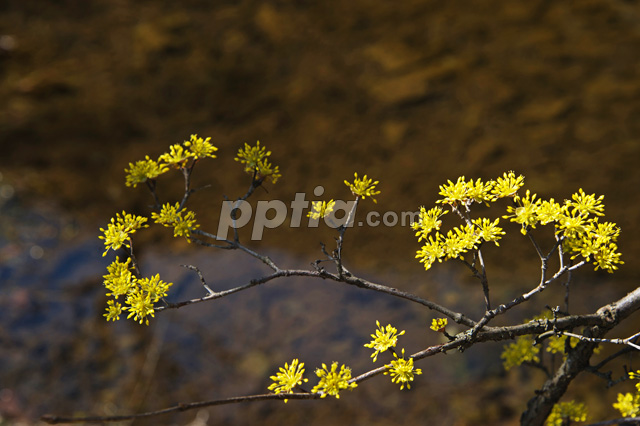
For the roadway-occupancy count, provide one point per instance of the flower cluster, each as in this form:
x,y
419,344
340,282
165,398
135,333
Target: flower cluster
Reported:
x,y
402,371
178,156
519,352
439,324
566,412
456,242
629,403
364,187
288,378
141,171
558,344
118,232
576,222
172,216
333,381
463,193
140,294
383,339
320,209
256,163
427,222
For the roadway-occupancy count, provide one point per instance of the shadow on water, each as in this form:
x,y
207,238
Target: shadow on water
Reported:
x,y
411,93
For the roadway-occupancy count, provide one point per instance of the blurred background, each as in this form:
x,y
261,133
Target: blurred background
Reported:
x,y
411,93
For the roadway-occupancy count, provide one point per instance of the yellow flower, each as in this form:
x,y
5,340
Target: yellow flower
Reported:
x,y
118,231
489,231
321,209
288,378
120,279
384,339
453,193
526,211
507,186
333,381
520,351
177,156
256,163
549,211
200,148
143,170
427,222
140,305
431,251
628,404
607,257
558,344
461,192
114,310
572,224
587,204
459,241
168,214
172,216
567,411
364,187
439,324
635,375
154,287
402,371
479,191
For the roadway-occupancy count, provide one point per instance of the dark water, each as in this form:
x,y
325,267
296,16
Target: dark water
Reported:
x,y
412,94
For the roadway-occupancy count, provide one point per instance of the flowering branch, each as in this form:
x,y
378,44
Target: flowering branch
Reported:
x,y
580,239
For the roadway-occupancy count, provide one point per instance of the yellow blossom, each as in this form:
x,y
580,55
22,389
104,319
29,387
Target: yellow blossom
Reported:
x,y
114,309
439,324
507,185
200,148
453,193
525,212
288,378
333,381
587,204
563,411
402,371
427,222
177,156
364,187
488,230
143,170
459,240
520,351
549,211
256,163
431,251
321,209
154,287
120,279
383,339
140,305
183,221
628,404
119,230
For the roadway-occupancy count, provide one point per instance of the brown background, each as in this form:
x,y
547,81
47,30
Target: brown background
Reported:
x,y
411,93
